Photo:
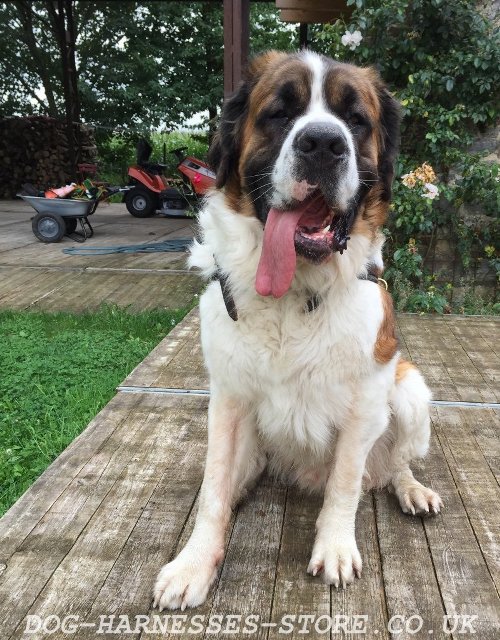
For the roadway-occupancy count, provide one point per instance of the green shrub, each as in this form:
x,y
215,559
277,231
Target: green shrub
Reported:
x,y
442,61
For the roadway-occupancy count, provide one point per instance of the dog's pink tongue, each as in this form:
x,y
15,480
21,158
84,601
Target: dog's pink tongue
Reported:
x,y
278,260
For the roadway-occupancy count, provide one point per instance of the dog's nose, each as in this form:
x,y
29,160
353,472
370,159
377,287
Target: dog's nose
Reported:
x,y
321,140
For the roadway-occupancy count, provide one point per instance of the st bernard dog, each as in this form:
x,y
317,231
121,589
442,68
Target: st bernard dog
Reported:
x,y
298,336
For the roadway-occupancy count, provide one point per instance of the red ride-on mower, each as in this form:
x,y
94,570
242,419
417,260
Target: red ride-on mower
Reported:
x,y
151,192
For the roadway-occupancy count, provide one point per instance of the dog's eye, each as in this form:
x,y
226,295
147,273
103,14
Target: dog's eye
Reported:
x,y
355,120
279,114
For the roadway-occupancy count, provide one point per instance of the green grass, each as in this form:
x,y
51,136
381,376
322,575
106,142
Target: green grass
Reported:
x,y
57,371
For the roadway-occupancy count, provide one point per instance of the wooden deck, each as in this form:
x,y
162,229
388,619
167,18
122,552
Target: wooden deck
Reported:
x,y
34,275
90,535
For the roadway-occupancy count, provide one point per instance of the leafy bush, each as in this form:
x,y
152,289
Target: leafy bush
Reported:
x,y
442,61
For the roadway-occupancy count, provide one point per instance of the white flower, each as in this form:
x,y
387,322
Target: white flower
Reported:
x,y
352,40
431,191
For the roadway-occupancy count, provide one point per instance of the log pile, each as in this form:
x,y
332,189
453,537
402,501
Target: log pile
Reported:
x,y
35,149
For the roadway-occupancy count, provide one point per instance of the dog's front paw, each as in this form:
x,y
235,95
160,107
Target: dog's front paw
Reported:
x,y
184,582
338,560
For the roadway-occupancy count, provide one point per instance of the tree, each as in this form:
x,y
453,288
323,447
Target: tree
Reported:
x,y
140,64
29,63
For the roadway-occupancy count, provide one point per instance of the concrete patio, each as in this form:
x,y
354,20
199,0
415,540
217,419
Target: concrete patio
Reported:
x,y
89,536
35,275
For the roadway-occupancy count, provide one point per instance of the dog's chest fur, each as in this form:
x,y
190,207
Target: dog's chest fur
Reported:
x,y
299,371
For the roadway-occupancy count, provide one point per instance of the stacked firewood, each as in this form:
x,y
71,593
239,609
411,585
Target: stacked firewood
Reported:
x,y
35,150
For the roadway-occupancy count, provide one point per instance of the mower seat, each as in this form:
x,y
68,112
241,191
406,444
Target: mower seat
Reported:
x,y
153,167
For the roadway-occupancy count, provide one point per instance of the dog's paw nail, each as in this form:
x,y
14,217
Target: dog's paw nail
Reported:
x,y
417,499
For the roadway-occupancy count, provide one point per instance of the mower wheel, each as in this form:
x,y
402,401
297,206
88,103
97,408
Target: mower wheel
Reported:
x,y
140,203
48,227
71,224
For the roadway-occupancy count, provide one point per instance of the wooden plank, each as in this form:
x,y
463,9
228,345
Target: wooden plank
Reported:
x,y
246,578
403,347
21,289
478,349
17,523
66,517
443,361
485,425
410,583
169,513
366,597
177,362
465,582
236,29
136,291
248,574
299,594
205,608
296,592
472,475
76,548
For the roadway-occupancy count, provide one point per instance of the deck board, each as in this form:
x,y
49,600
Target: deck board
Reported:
x,y
91,533
452,373
35,275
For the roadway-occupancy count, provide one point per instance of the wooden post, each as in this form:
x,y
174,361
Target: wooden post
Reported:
x,y
303,42
236,35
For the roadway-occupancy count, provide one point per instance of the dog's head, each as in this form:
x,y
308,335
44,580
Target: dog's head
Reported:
x,y
307,145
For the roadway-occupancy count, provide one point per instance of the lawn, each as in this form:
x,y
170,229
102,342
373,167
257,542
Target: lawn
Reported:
x,y
57,371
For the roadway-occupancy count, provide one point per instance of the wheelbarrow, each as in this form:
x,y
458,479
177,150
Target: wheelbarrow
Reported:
x,y
57,217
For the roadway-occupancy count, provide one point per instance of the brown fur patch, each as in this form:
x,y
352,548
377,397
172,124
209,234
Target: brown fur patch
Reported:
x,y
386,344
347,89
269,73
402,368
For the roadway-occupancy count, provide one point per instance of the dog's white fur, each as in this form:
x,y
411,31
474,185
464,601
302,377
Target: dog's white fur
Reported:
x,y
302,391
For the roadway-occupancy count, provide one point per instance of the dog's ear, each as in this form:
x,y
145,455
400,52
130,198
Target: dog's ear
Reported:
x,y
390,120
224,152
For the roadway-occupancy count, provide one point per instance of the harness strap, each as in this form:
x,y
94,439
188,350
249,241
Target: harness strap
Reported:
x,y
232,312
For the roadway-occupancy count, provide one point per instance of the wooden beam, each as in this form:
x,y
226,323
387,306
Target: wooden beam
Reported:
x,y
308,17
236,35
312,11
339,6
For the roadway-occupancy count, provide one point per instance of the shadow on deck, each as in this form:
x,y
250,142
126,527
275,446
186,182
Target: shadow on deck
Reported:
x,y
89,536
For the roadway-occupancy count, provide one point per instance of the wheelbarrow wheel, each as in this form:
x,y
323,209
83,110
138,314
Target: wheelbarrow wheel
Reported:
x,y
48,227
70,225
140,203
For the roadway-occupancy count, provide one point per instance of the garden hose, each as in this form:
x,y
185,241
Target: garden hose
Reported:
x,y
176,245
